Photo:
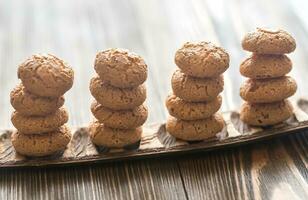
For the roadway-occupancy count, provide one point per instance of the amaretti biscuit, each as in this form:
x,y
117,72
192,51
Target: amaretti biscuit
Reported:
x,y
202,59
185,110
46,75
195,130
41,144
263,41
261,66
266,114
39,124
120,92
122,119
117,98
194,89
28,104
268,87
268,90
39,117
120,68
102,135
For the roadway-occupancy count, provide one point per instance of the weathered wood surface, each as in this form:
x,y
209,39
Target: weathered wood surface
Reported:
x,y
75,30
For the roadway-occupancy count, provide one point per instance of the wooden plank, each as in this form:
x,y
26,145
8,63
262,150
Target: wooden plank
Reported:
x,y
258,171
130,180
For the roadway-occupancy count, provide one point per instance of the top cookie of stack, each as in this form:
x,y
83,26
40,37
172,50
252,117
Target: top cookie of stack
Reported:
x,y
268,87
119,93
39,117
196,87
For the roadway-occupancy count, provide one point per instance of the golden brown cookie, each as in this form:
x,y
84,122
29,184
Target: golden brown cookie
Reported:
x,y
120,68
264,41
266,114
113,138
122,119
195,130
261,66
202,59
117,98
46,75
181,109
28,104
41,144
39,124
193,89
268,90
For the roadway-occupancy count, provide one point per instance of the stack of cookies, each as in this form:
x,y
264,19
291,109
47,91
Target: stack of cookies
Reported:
x,y
267,89
39,117
119,95
196,87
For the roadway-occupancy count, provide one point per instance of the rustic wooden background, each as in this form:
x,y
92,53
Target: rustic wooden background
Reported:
x,y
75,30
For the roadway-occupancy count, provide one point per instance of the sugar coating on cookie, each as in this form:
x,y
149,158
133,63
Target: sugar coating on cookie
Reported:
x,y
266,114
117,98
46,75
41,144
122,119
194,89
28,104
39,124
262,66
120,68
263,41
181,109
113,138
268,90
195,130
202,59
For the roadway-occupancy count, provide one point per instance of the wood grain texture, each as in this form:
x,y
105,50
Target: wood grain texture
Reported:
x,y
75,30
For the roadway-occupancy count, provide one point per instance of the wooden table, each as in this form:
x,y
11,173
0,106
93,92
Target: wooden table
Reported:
x,y
75,30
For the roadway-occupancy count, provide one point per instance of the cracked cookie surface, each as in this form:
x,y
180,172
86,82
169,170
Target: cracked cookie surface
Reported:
x,y
261,66
202,59
117,98
113,138
28,104
194,89
39,124
268,90
120,68
122,119
41,144
181,109
263,41
195,130
46,75
266,114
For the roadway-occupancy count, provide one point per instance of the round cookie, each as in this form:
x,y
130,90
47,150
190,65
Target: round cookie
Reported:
x,y
193,89
28,104
41,144
122,119
46,75
266,114
39,124
120,68
202,59
195,130
113,138
264,41
261,66
184,110
117,98
268,90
